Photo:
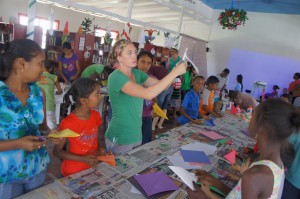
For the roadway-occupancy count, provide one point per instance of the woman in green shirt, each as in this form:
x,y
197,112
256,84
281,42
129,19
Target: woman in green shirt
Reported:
x,y
126,93
174,59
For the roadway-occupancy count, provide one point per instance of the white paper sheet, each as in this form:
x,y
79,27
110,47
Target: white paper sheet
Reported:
x,y
187,177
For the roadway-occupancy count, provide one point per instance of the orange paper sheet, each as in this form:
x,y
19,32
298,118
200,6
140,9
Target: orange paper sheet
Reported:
x,y
109,159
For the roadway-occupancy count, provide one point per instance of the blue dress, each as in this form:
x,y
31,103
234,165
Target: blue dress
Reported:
x,y
17,121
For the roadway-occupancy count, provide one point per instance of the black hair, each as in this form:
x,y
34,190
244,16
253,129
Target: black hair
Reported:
x,y
66,45
48,65
198,78
145,53
298,75
226,70
81,88
288,96
278,119
163,63
239,79
275,87
23,48
232,94
212,80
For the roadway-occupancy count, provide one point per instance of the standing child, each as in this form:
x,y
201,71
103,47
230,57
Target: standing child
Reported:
x,y
272,123
175,97
207,98
85,93
190,106
239,86
68,64
48,82
144,62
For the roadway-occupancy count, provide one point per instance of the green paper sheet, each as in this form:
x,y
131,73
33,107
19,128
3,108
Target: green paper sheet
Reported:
x,y
213,188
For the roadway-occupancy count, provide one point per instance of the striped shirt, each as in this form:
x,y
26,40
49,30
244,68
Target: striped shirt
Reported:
x,y
222,81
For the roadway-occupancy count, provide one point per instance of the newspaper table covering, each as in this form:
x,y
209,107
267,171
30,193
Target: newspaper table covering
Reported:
x,y
105,181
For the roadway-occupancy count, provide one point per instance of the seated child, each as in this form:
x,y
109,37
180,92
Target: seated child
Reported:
x,y
274,93
83,150
243,100
190,106
207,99
48,82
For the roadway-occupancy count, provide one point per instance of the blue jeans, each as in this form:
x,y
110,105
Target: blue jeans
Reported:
x,y
147,130
18,187
164,97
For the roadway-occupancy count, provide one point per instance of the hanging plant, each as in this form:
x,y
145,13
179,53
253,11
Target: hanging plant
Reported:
x,y
86,25
231,18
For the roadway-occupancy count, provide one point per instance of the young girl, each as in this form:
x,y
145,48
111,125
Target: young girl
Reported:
x,y
85,93
48,82
144,62
239,86
68,64
272,123
23,155
126,92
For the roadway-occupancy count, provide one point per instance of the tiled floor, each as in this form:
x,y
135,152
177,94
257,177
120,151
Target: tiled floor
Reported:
x,y
54,166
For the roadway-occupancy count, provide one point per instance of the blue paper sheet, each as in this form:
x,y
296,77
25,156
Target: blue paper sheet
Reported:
x,y
194,156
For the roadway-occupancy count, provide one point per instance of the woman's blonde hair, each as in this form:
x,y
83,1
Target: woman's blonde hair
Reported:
x,y
174,50
118,48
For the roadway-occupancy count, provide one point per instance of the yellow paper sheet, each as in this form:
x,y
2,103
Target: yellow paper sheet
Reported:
x,y
64,134
157,110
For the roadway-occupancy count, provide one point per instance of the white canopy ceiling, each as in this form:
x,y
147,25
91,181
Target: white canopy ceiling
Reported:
x,y
157,14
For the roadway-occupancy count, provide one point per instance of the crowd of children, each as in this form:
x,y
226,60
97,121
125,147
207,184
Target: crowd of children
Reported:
x,y
27,95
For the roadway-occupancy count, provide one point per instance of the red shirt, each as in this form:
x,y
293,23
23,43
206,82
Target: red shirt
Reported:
x,y
85,144
293,84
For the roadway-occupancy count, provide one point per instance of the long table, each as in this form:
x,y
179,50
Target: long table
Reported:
x,y
105,181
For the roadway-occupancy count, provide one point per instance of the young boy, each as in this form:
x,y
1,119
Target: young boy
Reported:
x,y
207,98
190,106
47,83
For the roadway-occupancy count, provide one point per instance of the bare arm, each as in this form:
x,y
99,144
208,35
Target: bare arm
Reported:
x,y
151,81
59,152
61,73
77,70
43,126
59,90
133,89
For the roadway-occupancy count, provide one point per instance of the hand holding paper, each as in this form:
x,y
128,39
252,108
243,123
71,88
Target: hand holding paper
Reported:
x,y
185,58
63,134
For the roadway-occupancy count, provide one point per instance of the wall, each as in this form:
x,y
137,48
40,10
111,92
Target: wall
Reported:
x,y
8,8
267,48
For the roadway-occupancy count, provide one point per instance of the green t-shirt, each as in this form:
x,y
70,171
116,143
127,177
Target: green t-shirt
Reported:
x,y
47,83
173,63
187,78
126,123
293,171
98,68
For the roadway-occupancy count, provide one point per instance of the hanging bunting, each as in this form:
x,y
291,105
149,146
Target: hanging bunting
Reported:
x,y
66,33
141,40
124,33
149,38
130,28
158,33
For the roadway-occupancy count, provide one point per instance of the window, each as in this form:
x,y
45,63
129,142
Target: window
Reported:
x,y
101,33
42,22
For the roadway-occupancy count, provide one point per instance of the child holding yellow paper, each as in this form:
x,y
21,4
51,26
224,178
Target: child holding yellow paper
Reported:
x,y
82,151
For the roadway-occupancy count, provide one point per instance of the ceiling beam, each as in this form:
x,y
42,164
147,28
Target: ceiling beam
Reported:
x,y
68,5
